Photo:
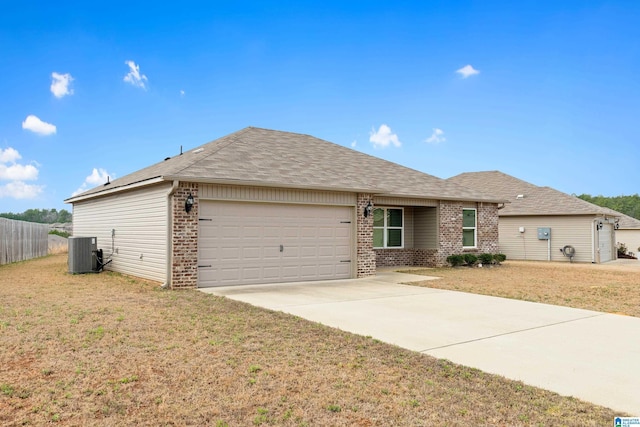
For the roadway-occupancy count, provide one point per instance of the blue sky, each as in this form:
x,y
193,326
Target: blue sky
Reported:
x,y
546,91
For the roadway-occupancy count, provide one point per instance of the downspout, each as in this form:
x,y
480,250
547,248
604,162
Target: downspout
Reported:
x,y
172,190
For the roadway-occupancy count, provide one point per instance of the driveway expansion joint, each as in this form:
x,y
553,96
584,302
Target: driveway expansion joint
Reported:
x,y
512,332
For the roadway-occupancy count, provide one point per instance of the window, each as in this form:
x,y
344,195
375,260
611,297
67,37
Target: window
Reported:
x,y
388,227
469,227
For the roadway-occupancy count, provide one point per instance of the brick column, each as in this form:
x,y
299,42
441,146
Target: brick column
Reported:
x,y
366,257
488,228
184,242
450,233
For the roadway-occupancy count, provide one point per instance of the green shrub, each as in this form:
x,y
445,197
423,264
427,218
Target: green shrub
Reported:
x,y
470,259
455,260
60,233
499,258
485,259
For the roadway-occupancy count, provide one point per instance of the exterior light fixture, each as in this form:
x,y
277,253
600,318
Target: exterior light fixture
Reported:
x,y
367,209
188,204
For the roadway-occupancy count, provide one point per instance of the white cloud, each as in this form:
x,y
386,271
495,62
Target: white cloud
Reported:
x,y
16,174
60,84
467,71
20,190
354,143
34,124
436,137
383,137
9,155
181,92
98,176
134,77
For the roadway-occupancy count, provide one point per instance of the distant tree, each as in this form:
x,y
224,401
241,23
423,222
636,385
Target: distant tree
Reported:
x,y
628,205
43,216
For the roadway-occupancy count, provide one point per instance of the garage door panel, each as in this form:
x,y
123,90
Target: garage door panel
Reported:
x,y
241,242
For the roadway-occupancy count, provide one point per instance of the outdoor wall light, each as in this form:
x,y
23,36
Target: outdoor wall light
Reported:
x,y
368,209
188,204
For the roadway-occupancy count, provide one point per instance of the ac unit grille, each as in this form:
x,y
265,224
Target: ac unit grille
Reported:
x,y
82,254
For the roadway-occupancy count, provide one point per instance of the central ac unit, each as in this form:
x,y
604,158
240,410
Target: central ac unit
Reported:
x,y
82,254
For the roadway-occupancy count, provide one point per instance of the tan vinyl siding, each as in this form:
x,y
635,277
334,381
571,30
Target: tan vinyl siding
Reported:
x,y
630,238
408,227
275,195
139,219
576,231
403,201
425,229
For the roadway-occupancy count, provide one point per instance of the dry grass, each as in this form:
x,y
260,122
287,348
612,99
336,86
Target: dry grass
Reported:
x,y
610,288
110,350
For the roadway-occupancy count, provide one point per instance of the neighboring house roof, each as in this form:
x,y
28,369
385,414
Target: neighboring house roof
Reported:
x,y
527,198
262,157
628,222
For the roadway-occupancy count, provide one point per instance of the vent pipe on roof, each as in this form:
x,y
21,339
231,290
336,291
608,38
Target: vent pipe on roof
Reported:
x,y
181,150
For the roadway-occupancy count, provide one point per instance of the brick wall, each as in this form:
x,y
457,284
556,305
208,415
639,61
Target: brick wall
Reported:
x,y
450,233
394,257
366,257
184,257
488,228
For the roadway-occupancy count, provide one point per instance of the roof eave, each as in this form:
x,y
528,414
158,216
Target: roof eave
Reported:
x,y
116,189
447,198
271,184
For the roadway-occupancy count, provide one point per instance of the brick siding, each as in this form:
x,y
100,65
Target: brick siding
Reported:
x,y
184,257
366,257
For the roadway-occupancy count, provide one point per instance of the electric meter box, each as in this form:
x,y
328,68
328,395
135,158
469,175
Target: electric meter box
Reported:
x,y
544,233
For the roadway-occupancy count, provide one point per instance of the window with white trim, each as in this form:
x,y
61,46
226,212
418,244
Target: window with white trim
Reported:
x,y
469,228
388,228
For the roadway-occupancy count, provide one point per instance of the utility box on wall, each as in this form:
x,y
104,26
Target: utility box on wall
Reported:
x,y
544,233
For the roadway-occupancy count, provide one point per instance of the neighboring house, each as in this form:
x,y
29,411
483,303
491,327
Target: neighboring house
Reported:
x,y
264,206
534,211
628,233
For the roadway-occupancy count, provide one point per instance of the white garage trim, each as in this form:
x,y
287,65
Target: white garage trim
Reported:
x,y
253,243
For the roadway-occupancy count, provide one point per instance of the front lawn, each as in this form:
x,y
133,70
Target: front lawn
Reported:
x,y
105,349
610,288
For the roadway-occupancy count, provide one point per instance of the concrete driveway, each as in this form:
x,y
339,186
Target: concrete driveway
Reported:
x,y
590,355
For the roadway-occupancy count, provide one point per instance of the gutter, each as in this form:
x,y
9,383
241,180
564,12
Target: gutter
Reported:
x,y
172,190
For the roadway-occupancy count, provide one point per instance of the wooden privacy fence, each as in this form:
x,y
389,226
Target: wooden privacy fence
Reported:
x,y
20,240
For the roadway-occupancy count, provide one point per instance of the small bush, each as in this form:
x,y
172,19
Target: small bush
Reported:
x,y
470,259
499,258
60,233
622,249
455,260
486,259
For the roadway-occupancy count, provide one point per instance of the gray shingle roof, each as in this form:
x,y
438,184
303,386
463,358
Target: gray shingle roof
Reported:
x,y
534,201
628,223
254,156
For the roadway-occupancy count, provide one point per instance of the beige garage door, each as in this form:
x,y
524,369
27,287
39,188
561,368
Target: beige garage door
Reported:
x,y
251,243
605,242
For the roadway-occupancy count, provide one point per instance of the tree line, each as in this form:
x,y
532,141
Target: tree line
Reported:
x,y
42,216
628,205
